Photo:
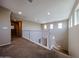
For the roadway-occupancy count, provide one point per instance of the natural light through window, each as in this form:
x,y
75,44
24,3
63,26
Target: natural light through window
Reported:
x,y
78,16
71,22
75,18
45,26
51,26
60,25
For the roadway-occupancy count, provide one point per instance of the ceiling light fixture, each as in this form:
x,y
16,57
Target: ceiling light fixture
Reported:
x,y
19,12
48,13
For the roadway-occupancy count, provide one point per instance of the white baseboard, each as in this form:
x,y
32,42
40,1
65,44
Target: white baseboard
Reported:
x,y
38,44
5,44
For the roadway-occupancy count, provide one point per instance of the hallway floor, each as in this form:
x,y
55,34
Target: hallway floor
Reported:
x,y
22,48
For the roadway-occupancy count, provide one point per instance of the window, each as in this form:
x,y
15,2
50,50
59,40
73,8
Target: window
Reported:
x,y
75,18
71,25
45,26
51,26
78,16
60,25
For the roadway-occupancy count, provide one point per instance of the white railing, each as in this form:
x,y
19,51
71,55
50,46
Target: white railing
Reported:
x,y
37,36
43,37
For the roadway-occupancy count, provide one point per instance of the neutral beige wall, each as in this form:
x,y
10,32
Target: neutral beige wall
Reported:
x,y
74,41
28,25
5,31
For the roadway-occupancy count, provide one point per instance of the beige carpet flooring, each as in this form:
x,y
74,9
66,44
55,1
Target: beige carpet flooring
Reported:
x,y
22,48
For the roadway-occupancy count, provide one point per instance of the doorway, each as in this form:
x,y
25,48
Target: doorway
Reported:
x,y
16,30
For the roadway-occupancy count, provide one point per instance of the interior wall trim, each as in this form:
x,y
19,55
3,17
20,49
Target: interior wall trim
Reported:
x,y
5,44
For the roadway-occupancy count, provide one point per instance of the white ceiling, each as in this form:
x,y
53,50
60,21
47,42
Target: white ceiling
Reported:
x,y
38,10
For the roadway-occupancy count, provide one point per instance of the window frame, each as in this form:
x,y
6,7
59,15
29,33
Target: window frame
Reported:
x,y
45,26
60,25
51,26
